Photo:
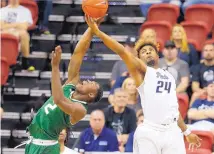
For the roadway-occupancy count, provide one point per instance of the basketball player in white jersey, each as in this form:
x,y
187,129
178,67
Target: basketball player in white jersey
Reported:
x,y
160,133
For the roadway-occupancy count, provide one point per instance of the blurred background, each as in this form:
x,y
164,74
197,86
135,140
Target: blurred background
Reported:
x,y
182,30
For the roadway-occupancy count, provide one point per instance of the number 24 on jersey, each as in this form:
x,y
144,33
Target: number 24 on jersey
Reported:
x,y
163,86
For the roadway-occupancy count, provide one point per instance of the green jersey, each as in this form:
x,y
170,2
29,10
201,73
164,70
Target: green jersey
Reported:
x,y
50,119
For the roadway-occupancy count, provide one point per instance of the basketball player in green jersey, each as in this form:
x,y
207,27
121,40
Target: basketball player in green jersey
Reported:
x,y
68,103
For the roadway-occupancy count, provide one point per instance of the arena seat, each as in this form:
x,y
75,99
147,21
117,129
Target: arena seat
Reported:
x,y
162,28
213,33
33,7
199,151
195,29
211,41
207,139
164,12
9,48
4,70
183,101
201,12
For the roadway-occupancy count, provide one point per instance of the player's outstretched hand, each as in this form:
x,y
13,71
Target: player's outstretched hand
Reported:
x,y
194,141
92,23
56,56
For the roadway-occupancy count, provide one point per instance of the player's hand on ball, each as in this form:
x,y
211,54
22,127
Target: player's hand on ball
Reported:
x,y
92,24
194,141
56,56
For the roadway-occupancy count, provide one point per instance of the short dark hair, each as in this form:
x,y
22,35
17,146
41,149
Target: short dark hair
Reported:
x,y
147,44
99,94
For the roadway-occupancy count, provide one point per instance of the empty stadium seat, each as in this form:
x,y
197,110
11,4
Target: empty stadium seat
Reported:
x,y
33,7
201,12
9,48
164,12
207,139
199,151
4,70
196,31
183,101
162,28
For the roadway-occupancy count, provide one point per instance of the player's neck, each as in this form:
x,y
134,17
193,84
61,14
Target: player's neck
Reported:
x,y
76,96
97,132
62,147
209,62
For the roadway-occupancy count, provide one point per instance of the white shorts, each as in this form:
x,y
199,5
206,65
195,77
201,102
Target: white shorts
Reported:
x,y
150,138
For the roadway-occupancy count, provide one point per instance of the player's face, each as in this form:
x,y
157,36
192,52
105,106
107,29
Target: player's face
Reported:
x,y
148,55
97,121
120,99
88,88
210,90
208,52
177,33
130,86
170,53
62,135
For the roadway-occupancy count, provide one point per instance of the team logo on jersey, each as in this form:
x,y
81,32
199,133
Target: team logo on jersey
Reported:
x,y
159,75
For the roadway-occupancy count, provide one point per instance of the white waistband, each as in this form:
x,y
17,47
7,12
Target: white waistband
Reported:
x,y
158,126
44,142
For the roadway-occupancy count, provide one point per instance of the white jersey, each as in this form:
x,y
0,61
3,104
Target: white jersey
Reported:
x,y
158,96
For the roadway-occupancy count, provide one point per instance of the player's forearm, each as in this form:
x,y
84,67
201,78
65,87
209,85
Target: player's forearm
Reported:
x,y
79,53
181,124
56,86
7,26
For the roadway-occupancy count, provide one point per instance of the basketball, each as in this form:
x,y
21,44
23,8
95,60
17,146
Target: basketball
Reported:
x,y
95,8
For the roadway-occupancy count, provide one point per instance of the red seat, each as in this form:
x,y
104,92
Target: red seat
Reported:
x,y
9,48
199,151
207,139
211,41
33,7
183,101
201,12
164,12
4,70
213,33
162,28
196,31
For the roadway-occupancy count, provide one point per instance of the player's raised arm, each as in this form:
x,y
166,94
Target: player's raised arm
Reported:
x,y
134,66
77,57
76,110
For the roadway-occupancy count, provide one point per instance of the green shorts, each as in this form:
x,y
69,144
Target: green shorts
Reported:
x,y
39,149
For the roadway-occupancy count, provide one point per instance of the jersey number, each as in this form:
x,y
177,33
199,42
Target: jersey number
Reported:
x,y
49,106
163,86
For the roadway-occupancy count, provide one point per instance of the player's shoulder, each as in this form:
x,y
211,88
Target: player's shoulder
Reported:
x,y
109,132
23,8
182,62
4,9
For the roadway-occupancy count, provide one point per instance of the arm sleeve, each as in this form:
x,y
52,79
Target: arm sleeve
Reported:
x,y
195,73
184,70
118,83
133,120
194,58
115,72
129,144
113,146
196,104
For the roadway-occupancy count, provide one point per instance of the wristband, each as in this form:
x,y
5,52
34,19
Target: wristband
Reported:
x,y
187,132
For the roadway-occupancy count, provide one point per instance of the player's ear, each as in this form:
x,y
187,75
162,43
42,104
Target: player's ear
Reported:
x,y
91,95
